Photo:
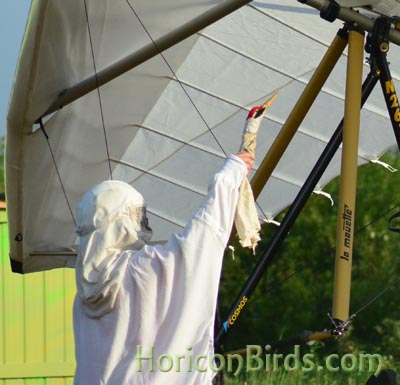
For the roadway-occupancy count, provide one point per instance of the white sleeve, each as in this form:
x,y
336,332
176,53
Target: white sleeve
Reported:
x,y
217,210
209,228
205,236
176,284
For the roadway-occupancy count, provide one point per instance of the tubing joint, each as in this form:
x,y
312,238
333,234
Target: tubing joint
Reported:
x,y
378,39
331,12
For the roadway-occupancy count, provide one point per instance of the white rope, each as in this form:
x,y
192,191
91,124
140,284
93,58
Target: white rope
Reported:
x,y
324,194
384,165
272,221
232,249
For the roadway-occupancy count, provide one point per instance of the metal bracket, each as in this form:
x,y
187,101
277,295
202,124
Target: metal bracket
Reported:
x,y
378,46
378,39
339,328
331,13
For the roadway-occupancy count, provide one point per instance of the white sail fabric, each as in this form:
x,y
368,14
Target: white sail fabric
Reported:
x,y
157,141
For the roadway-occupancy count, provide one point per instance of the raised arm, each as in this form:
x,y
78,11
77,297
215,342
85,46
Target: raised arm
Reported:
x,y
218,208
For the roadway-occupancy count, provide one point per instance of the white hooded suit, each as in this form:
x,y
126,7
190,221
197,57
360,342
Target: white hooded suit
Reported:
x,y
144,315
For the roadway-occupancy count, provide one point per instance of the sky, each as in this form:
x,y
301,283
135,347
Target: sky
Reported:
x,y
13,16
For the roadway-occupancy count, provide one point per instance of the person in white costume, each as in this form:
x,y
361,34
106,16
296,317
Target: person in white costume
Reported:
x,y
144,315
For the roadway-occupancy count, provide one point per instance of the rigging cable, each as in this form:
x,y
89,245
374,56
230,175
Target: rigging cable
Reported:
x,y
390,285
222,149
271,286
176,77
376,219
299,267
98,91
374,298
57,170
184,89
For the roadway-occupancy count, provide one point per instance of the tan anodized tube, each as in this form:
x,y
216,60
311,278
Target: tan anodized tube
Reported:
x,y
298,113
348,178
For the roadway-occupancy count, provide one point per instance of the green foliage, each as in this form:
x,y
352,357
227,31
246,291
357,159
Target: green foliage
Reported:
x,y
389,333
296,292
298,378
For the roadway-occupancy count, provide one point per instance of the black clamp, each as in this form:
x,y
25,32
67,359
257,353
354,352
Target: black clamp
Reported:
x,y
331,13
338,327
378,39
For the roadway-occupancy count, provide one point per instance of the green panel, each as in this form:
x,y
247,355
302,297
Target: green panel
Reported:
x,y
14,382
3,233
60,381
34,318
55,381
35,324
35,381
55,316
14,318
3,216
40,381
34,370
70,291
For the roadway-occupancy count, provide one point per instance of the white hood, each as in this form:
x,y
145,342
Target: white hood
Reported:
x,y
110,218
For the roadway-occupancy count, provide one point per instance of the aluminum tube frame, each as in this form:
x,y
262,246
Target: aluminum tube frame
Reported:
x,y
299,112
294,210
348,179
152,49
280,144
350,16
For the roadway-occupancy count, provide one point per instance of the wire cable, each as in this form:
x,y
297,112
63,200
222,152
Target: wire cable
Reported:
x,y
373,299
57,170
98,91
184,89
176,77
376,219
299,268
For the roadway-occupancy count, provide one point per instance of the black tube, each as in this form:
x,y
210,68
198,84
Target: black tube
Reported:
x,y
380,46
291,216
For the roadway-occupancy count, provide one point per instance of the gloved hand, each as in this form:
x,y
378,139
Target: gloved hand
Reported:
x,y
253,121
246,218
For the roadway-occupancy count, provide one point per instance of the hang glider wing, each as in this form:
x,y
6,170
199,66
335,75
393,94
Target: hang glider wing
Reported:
x,y
156,139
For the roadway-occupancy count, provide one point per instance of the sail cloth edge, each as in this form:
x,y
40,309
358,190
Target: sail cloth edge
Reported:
x,y
17,126
224,118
